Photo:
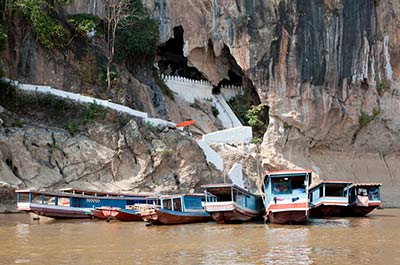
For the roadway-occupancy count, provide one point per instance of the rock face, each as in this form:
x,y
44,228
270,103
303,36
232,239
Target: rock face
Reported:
x,y
133,158
328,70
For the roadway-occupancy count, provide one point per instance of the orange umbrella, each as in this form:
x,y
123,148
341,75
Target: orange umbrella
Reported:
x,y
186,123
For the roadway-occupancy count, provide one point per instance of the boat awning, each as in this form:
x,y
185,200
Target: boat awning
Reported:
x,y
367,184
62,194
338,182
102,193
224,189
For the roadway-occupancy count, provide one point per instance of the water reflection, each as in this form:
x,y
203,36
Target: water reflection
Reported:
x,y
331,222
288,245
367,240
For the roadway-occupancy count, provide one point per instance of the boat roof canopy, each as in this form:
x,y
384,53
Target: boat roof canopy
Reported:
x,y
181,195
366,184
278,173
224,188
62,194
102,193
286,172
338,182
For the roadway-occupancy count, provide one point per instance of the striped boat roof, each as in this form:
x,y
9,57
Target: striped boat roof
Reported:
x,y
366,184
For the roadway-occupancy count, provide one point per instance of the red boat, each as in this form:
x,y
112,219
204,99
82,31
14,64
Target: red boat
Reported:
x,y
128,215
98,214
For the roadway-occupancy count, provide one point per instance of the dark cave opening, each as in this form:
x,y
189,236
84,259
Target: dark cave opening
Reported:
x,y
171,60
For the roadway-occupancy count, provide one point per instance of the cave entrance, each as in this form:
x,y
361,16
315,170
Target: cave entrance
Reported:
x,y
171,60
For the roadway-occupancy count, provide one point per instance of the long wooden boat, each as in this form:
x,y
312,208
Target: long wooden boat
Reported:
x,y
128,215
229,203
71,203
363,198
329,198
177,209
97,213
286,196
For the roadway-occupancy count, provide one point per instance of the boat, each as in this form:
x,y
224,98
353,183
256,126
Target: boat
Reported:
x,y
229,203
329,198
105,212
72,203
131,212
286,196
363,198
128,215
177,209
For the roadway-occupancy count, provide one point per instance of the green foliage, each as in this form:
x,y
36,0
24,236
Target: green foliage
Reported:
x,y
381,87
254,116
256,140
214,111
53,147
364,118
19,123
123,119
93,112
71,127
140,38
84,23
161,84
46,28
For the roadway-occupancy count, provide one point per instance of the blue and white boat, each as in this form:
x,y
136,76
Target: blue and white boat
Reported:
x,y
177,209
286,196
329,198
229,203
72,203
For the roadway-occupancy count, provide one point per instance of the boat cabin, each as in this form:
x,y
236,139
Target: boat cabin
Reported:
x,y
286,185
182,202
79,198
364,194
219,193
329,192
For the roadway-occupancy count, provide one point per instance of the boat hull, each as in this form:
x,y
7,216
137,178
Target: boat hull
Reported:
x,y
328,211
230,213
173,217
98,214
288,217
356,210
128,215
53,211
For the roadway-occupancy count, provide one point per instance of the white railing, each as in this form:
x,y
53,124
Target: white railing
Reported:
x,y
190,89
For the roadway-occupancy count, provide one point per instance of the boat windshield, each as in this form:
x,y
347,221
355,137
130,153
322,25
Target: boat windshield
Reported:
x,y
373,194
288,185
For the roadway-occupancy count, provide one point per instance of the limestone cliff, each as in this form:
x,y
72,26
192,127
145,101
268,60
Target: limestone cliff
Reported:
x,y
134,157
328,70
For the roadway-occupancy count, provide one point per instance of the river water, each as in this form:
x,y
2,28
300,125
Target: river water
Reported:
x,y
374,239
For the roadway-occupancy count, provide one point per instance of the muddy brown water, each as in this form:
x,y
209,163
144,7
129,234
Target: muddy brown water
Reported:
x,y
374,239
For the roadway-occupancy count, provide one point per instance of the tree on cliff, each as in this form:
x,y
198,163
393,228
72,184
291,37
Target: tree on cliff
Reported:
x,y
119,14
